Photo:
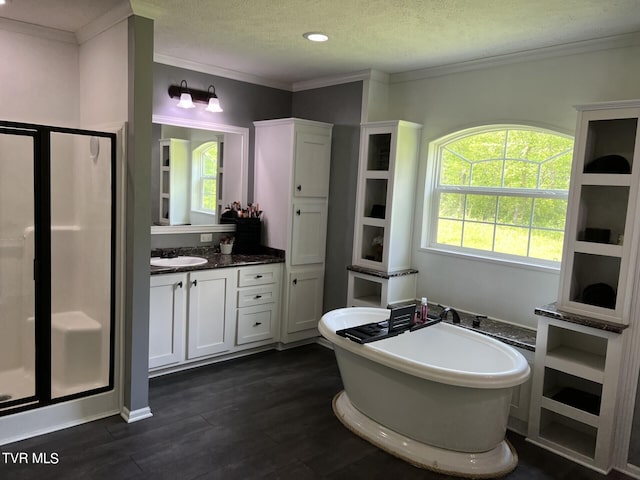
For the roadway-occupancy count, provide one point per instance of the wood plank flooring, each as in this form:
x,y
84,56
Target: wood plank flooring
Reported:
x,y
267,416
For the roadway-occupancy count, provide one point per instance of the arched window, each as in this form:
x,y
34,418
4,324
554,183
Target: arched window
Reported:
x,y
501,191
205,161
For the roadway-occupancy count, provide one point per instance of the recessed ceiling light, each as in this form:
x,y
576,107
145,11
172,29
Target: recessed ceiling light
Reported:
x,y
4,2
316,36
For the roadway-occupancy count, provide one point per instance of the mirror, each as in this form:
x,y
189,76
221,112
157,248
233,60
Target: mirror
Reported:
x,y
197,168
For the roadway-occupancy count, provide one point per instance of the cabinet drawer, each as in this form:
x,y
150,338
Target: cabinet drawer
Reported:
x,y
248,297
258,275
255,323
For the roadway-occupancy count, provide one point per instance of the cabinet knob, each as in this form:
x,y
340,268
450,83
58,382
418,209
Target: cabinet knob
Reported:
x,y
194,283
257,296
299,188
295,281
298,212
179,284
258,276
257,323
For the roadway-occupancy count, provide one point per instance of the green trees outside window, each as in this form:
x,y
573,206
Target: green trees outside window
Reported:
x,y
503,190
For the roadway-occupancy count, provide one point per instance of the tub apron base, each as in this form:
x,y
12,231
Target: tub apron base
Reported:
x,y
494,463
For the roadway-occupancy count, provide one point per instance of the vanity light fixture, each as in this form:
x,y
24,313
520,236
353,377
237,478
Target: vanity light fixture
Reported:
x,y
214,103
316,36
185,96
189,95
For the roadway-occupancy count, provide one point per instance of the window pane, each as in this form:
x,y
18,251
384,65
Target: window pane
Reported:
x,y
483,146
487,174
451,205
208,194
209,164
454,170
546,244
549,213
481,208
478,235
514,210
449,232
535,146
555,174
520,174
512,240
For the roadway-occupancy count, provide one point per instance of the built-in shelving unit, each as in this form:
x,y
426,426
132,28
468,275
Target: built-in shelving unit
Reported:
x,y
600,238
174,181
386,194
574,391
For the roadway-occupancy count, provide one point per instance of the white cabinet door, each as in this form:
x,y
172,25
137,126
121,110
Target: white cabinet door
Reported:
x,y
211,312
312,165
166,319
304,299
309,233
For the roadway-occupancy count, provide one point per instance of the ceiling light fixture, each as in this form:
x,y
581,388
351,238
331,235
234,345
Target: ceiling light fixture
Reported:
x,y
315,36
4,2
189,95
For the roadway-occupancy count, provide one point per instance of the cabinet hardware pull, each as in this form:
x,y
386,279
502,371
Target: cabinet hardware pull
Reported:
x,y
298,212
258,276
299,188
295,281
257,323
179,284
194,283
258,296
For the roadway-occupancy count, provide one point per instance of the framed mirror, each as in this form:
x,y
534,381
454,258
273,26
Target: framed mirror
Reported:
x,y
197,168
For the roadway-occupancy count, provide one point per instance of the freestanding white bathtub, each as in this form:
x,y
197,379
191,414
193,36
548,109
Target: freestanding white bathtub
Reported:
x,y
437,397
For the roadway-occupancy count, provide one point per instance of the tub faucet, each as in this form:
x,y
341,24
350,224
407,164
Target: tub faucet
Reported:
x,y
454,314
172,253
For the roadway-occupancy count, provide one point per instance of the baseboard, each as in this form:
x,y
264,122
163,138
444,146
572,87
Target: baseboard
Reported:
x,y
324,342
135,415
630,470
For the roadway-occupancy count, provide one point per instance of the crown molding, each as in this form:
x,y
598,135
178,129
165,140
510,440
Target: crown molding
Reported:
x,y
340,79
104,22
47,33
219,71
145,9
574,48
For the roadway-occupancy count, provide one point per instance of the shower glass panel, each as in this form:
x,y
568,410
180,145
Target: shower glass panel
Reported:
x,y
17,290
81,263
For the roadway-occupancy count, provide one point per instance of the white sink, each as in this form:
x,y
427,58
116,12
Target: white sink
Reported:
x,y
177,261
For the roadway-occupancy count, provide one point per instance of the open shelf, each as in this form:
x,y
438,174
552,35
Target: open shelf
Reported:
x,y
378,151
367,292
568,433
372,238
572,396
609,146
595,280
602,214
375,198
576,353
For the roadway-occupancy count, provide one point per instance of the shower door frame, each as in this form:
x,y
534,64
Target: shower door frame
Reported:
x,y
41,135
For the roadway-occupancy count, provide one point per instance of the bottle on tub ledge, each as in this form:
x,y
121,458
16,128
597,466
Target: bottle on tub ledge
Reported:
x,y
424,310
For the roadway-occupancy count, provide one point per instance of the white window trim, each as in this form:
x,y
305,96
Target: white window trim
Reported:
x,y
431,201
198,193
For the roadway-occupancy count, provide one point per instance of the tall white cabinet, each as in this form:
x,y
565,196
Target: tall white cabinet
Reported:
x,y
381,272
292,164
175,177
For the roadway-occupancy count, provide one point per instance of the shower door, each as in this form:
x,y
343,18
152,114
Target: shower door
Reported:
x,y
17,287
57,264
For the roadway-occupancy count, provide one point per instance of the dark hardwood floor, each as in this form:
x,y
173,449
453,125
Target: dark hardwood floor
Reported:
x,y
267,416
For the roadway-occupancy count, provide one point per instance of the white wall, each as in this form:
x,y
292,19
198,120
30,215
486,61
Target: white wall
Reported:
x,y
540,92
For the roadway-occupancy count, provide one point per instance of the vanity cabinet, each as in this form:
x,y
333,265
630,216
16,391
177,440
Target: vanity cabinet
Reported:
x,y
574,388
210,321
598,264
292,165
201,315
167,318
175,177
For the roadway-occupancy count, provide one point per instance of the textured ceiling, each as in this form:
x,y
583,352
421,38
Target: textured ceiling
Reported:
x,y
264,37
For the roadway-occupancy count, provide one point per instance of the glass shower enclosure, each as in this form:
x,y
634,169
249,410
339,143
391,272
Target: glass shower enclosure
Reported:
x,y
57,259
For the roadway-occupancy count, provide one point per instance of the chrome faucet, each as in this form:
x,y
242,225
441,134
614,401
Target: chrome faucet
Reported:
x,y
455,317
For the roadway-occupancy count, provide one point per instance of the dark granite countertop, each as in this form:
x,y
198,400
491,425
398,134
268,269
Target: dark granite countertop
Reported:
x,y
381,273
508,333
217,260
551,311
